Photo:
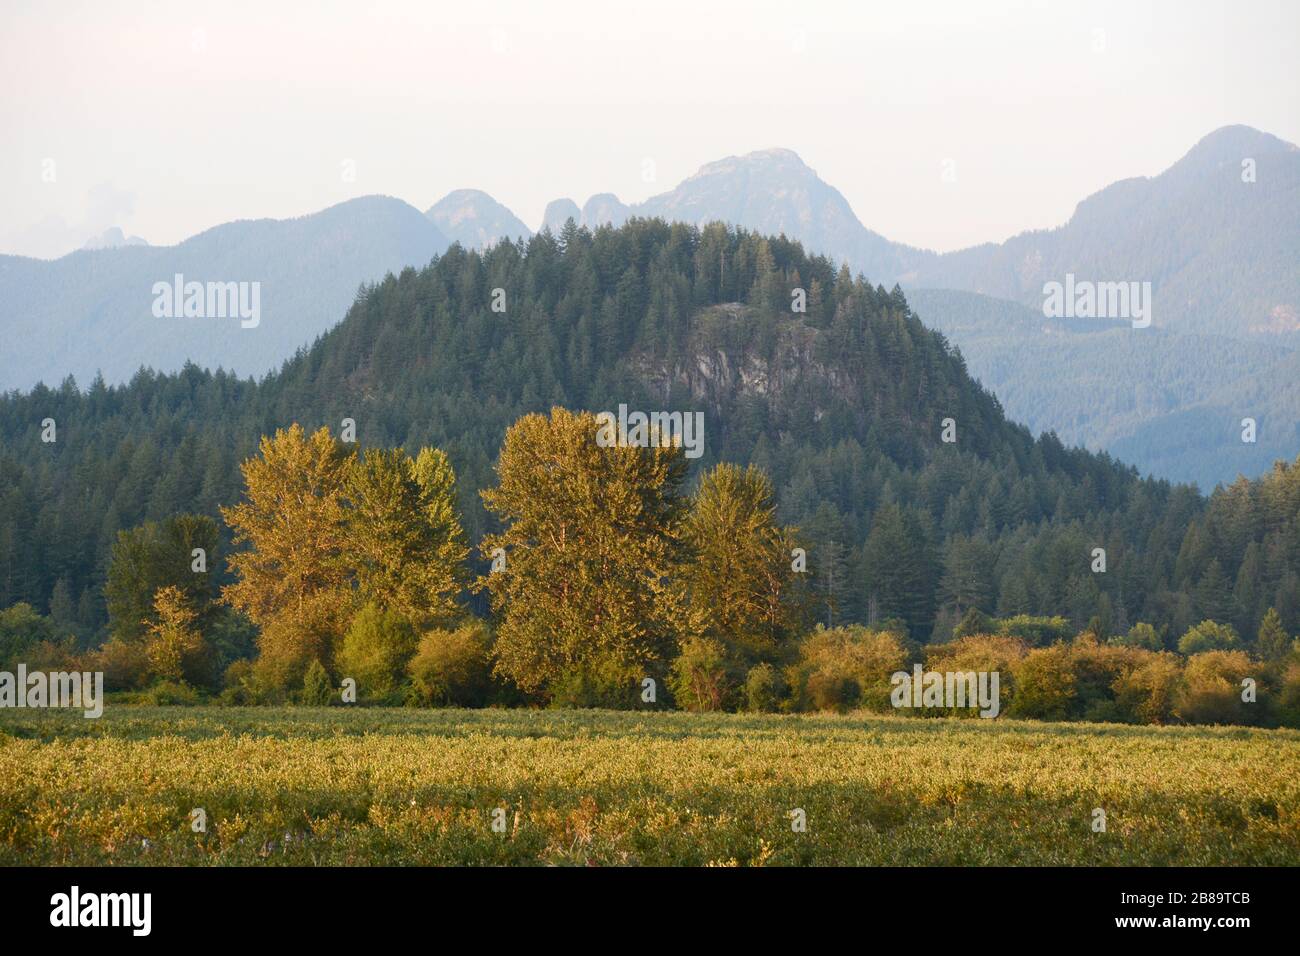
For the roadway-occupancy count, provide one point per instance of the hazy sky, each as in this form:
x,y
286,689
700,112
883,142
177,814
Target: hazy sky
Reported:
x,y
169,118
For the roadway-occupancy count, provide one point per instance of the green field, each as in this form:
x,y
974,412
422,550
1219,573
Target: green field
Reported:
x,y
373,786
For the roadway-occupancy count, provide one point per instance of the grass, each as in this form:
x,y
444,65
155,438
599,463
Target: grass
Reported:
x,y
391,786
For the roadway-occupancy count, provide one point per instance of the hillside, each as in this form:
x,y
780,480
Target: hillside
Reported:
x,y
844,407
1170,404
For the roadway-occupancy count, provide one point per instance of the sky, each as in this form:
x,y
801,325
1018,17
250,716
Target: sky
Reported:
x,y
943,124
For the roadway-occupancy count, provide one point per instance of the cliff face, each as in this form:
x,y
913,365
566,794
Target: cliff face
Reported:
x,y
786,374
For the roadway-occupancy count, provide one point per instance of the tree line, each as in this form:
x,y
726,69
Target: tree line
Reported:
x,y
839,406
611,582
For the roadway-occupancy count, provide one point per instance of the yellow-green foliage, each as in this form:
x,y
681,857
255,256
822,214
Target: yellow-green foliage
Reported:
x,y
405,786
375,651
699,677
1146,694
589,544
850,666
979,652
1045,684
453,666
1211,689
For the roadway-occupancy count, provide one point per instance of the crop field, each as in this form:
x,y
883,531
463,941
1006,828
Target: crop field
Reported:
x,y
393,786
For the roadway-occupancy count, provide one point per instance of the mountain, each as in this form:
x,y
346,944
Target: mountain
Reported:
x,y
475,219
113,238
1218,251
1218,247
93,310
558,212
1169,403
849,407
1215,238
604,209
774,192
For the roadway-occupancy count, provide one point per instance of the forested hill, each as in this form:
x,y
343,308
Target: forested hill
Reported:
x,y
844,404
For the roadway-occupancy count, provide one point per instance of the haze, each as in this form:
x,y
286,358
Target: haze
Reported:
x,y
166,118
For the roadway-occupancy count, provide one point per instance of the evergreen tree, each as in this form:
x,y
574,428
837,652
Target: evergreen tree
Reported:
x,y
898,569
1273,644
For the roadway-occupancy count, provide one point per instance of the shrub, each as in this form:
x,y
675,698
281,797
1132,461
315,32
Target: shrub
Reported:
x,y
1147,693
170,693
1140,635
125,664
980,652
53,655
600,681
452,667
700,677
21,627
831,691
762,688
317,691
238,687
852,660
1288,710
1211,689
1035,631
1209,636
1045,684
1096,668
285,650
972,622
376,650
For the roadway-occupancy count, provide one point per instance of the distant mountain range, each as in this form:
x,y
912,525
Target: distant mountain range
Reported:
x,y
113,238
1170,403
1216,235
475,220
92,310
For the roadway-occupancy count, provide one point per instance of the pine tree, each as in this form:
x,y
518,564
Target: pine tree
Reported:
x,y
1273,643
967,580
898,568
1214,594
